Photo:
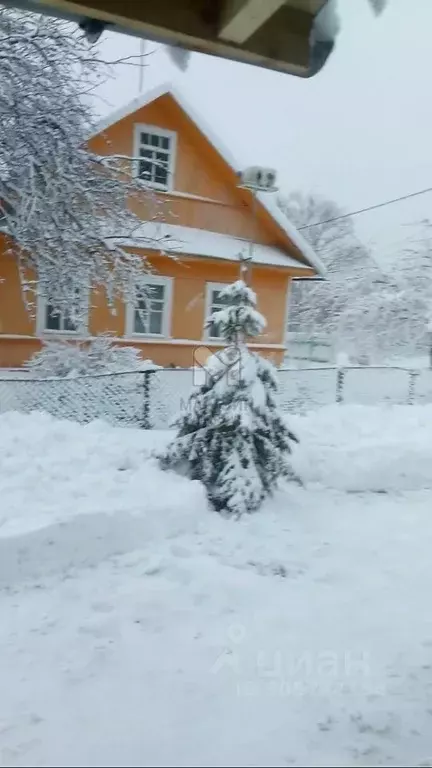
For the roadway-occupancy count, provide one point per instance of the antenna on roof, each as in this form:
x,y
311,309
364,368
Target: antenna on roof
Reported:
x,y
141,66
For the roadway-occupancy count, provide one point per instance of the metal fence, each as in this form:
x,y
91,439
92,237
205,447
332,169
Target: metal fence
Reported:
x,y
151,399
316,348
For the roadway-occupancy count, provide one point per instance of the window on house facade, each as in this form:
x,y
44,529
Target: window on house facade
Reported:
x,y
51,320
59,321
155,149
214,302
149,314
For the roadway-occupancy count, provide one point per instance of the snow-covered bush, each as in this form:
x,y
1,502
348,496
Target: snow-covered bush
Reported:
x,y
61,359
231,436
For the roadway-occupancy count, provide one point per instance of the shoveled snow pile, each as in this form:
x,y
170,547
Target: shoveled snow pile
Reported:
x,y
52,470
358,448
139,628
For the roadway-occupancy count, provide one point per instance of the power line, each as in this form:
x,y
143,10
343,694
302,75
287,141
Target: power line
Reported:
x,y
369,208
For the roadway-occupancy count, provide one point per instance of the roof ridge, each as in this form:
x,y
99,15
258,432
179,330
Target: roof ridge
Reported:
x,y
138,102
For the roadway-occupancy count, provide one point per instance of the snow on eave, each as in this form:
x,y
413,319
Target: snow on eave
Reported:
x,y
271,206
176,239
267,200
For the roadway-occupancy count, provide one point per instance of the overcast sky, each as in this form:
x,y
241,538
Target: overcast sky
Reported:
x,y
360,132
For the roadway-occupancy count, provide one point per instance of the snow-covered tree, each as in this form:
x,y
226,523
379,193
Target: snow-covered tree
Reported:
x,y
412,271
63,358
232,436
353,305
62,206
348,263
334,240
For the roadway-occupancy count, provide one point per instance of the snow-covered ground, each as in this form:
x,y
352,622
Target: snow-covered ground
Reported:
x,y
139,628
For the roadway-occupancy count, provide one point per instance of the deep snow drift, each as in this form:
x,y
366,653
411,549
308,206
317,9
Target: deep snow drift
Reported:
x,y
140,628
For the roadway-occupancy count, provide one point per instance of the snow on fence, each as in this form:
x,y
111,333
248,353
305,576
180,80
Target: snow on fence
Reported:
x,y
151,399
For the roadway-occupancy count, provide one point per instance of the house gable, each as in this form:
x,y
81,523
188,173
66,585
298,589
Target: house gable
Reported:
x,y
205,192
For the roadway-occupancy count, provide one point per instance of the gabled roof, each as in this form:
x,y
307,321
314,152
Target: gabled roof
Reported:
x,y
267,200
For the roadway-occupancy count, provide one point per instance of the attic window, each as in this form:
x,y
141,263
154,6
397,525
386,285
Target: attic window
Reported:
x,y
155,148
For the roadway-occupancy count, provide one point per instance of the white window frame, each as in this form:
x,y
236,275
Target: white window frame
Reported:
x,y
167,282
42,331
210,287
143,128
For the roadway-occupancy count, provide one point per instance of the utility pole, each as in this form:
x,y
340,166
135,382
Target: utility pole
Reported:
x,y
245,267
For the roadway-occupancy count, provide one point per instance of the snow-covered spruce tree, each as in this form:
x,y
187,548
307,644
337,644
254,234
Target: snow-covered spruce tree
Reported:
x,y
63,207
232,436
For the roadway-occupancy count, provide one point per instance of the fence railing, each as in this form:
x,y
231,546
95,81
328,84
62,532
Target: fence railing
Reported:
x,y
152,399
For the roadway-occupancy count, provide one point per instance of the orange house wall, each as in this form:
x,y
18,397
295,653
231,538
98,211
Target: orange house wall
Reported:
x,y
187,318
199,172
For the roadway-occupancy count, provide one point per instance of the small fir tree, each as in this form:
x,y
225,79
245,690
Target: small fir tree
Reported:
x,y
232,436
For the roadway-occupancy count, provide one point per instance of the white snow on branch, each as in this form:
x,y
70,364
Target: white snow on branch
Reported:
x,y
56,197
60,358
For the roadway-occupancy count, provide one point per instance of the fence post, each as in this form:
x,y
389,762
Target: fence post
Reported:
x,y
411,386
340,378
146,422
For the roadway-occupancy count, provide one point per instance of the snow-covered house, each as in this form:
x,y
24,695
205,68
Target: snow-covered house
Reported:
x,y
200,216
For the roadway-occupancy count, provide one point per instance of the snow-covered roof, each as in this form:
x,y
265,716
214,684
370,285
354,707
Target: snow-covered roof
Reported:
x,y
267,200
201,242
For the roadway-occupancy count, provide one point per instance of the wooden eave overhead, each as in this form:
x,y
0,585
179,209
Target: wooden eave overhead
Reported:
x,y
276,34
